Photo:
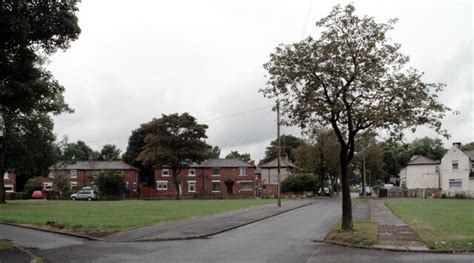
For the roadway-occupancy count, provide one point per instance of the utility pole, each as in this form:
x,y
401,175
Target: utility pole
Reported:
x,y
2,158
278,156
363,173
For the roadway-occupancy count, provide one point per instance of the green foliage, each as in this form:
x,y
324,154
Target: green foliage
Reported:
x,y
214,152
79,151
136,144
61,182
395,157
431,148
299,183
110,184
240,156
174,140
34,184
468,147
109,152
288,144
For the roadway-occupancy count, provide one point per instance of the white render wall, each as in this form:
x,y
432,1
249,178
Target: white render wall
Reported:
x,y
447,172
422,176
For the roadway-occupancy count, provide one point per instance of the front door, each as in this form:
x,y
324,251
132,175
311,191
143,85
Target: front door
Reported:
x,y
229,188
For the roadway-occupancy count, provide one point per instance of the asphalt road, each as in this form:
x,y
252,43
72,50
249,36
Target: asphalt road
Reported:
x,y
284,238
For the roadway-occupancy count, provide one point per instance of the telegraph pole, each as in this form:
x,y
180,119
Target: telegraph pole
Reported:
x,y
278,156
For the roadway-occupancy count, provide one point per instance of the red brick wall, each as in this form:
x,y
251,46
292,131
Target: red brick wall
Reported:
x,y
204,180
85,178
10,180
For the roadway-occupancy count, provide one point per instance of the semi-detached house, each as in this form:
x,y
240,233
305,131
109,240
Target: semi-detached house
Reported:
x,y
213,178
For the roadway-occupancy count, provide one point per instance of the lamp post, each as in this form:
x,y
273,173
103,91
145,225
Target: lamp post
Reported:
x,y
2,159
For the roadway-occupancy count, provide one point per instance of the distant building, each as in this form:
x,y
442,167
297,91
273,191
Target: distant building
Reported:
x,y
212,178
9,182
420,173
269,170
81,173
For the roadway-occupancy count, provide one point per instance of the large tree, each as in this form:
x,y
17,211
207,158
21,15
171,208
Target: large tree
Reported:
x,y
395,157
136,144
29,32
352,78
78,151
109,152
240,156
288,144
468,147
214,152
431,148
174,140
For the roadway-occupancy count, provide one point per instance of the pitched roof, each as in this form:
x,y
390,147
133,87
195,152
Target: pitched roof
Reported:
x,y
470,154
95,165
274,163
419,159
217,163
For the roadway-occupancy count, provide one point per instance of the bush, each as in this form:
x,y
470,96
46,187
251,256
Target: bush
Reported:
x,y
444,196
111,185
34,184
299,183
460,196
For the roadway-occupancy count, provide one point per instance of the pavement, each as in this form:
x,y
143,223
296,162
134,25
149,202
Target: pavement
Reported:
x,y
204,226
394,233
14,255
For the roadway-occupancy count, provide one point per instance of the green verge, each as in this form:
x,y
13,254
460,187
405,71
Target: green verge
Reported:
x,y
443,224
5,245
364,233
112,216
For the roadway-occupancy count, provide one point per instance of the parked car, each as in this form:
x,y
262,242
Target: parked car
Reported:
x,y
37,195
326,192
387,186
368,191
85,194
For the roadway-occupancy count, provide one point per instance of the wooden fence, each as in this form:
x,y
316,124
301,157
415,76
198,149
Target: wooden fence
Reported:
x,y
420,193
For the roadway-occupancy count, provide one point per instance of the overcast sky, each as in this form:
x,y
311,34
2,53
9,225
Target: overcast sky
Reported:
x,y
136,60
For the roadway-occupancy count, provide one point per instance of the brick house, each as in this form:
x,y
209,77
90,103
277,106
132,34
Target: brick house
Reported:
x,y
81,173
9,182
212,178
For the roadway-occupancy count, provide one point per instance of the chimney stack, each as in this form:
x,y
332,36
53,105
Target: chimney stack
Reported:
x,y
457,145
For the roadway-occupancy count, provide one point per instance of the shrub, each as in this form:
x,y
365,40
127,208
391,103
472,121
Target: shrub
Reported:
x,y
444,195
110,184
460,196
34,184
299,183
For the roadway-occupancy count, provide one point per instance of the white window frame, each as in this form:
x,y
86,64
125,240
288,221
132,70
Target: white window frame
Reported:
x,y
244,169
191,182
9,191
47,185
163,172
249,190
455,181
212,186
73,173
164,185
455,162
190,174
73,184
5,176
127,185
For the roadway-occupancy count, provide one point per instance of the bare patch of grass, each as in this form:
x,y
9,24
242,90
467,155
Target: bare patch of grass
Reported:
x,y
364,233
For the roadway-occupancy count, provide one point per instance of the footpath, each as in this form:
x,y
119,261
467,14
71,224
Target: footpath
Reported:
x,y
393,232
204,226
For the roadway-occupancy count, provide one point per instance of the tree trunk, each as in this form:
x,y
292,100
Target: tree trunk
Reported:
x,y
346,194
176,184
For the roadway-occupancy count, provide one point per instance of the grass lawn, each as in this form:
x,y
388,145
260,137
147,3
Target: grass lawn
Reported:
x,y
364,233
5,245
441,223
113,216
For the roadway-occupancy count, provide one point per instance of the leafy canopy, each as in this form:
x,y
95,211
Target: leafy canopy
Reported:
x,y
288,144
240,156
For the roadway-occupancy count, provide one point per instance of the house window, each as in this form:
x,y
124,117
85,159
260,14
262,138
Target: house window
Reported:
x,y
134,186
216,186
165,172
5,176
48,186
243,171
127,186
51,174
161,185
73,173
455,183
8,188
246,186
192,186
455,165
192,172
215,171
73,185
